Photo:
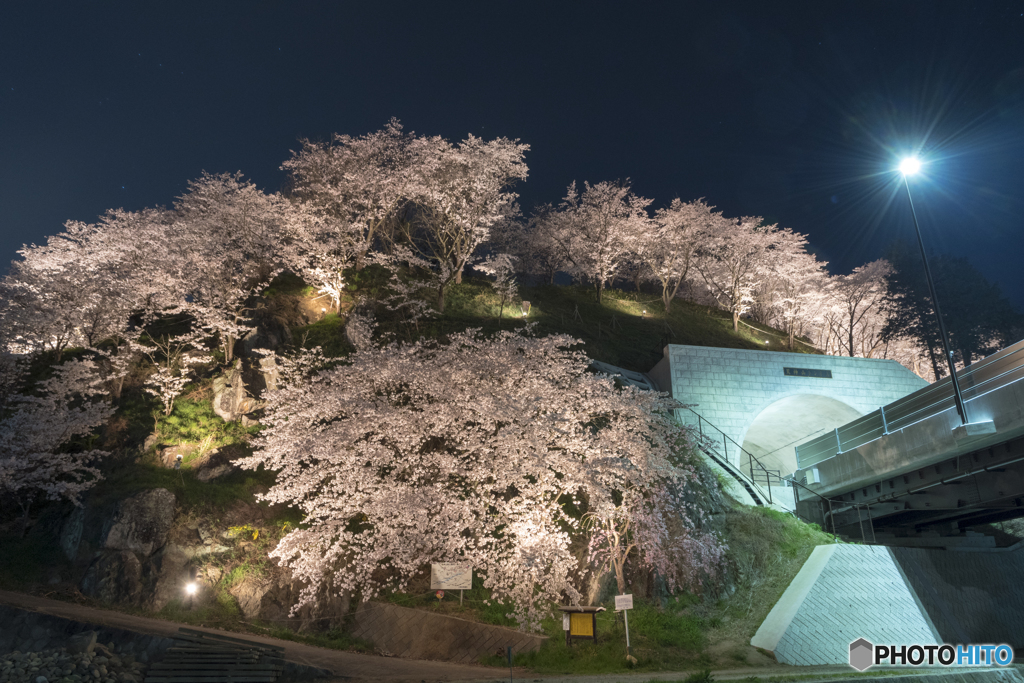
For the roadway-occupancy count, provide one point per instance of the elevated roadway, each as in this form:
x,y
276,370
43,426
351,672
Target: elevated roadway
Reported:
x,y
911,474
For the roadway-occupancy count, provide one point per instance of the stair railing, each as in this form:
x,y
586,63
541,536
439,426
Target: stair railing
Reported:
x,y
711,436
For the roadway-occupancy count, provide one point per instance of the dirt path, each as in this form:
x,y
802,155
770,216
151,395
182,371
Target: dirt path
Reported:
x,y
352,666
347,665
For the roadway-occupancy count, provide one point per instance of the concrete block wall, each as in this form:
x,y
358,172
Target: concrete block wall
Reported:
x,y
842,593
730,387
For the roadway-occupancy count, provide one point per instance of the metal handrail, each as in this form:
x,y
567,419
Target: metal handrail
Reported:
x,y
992,373
751,458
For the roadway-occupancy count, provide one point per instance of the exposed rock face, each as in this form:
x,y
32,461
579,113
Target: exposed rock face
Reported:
x,y
142,522
271,331
230,399
114,577
170,566
71,533
271,598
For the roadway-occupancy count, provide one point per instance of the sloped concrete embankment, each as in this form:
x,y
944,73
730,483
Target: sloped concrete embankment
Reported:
x,y
842,593
895,596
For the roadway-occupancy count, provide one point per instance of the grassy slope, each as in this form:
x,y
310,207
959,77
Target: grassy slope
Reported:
x,y
627,329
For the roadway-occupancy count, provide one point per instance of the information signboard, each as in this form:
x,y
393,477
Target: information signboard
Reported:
x,y
623,602
451,576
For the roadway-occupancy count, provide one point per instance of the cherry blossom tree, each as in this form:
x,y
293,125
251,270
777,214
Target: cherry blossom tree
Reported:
x,y
668,246
232,240
502,268
733,260
539,245
174,358
656,526
355,185
462,191
469,451
858,297
602,225
36,428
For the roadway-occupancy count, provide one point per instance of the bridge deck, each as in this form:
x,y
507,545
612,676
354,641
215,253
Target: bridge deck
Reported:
x,y
913,456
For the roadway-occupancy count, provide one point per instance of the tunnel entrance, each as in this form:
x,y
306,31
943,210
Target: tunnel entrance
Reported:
x,y
776,431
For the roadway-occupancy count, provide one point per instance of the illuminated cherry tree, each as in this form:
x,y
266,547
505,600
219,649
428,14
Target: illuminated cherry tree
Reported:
x,y
355,186
733,261
462,190
668,246
469,452
231,241
602,226
37,426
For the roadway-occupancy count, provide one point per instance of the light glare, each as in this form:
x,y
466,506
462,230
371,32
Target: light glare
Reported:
x,y
910,166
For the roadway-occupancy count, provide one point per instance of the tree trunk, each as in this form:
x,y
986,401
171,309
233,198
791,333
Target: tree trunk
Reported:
x,y
620,575
600,290
735,321
229,348
440,298
666,298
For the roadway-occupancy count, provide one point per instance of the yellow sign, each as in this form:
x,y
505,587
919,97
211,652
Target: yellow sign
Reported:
x,y
581,625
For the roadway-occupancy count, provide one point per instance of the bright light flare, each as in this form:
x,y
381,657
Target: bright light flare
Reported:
x,y
910,166
191,589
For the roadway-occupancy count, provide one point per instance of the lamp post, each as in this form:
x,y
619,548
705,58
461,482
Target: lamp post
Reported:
x,y
909,167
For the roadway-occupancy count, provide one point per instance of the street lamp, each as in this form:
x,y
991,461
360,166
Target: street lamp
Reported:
x,y
191,590
909,167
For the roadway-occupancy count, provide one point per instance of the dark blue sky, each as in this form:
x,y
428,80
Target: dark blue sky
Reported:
x,y
795,111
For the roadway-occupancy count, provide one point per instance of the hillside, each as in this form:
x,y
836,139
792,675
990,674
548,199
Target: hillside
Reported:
x,y
211,526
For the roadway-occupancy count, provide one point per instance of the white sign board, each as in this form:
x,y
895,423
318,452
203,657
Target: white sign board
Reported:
x,y
565,621
451,576
623,602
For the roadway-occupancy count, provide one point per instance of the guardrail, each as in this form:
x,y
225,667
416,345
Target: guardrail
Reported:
x,y
712,437
983,377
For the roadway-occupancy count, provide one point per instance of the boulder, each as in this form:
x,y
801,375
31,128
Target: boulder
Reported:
x,y
230,399
271,598
172,574
114,577
81,643
217,462
271,332
142,522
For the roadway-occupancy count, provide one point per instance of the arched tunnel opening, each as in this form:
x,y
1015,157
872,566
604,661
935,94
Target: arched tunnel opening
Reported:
x,y
776,431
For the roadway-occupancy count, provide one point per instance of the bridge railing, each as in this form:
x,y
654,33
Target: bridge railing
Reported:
x,y
989,374
714,438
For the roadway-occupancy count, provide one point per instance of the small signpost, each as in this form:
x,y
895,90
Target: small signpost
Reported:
x,y
451,576
579,622
624,603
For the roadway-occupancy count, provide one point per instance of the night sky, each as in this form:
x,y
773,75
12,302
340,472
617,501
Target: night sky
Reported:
x,y
795,111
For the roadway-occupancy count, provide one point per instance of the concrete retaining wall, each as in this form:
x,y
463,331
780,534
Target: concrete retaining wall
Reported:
x,y
405,632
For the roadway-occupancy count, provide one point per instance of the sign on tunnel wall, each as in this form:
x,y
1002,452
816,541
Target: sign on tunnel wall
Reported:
x,y
807,372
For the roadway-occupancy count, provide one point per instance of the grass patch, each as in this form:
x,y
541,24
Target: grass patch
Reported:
x,y
219,493
768,548
328,333
193,421
662,639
